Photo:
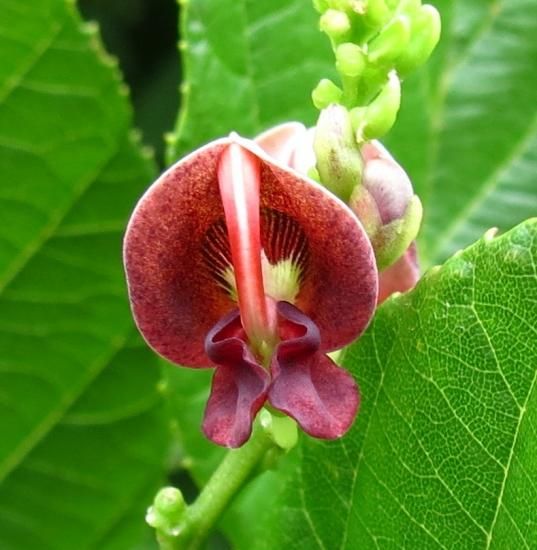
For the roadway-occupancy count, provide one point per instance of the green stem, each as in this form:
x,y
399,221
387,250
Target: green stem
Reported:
x,y
225,483
350,90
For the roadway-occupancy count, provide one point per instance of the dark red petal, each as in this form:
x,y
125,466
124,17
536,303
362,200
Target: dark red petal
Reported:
x,y
239,385
307,385
173,294
401,276
339,289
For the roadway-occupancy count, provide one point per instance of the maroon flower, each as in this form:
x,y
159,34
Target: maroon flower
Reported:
x,y
234,260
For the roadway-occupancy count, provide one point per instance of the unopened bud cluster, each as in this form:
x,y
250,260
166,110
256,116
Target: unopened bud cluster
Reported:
x,y
376,43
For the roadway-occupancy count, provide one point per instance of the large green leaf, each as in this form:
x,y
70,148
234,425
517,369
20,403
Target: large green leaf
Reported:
x,y
88,482
444,451
81,441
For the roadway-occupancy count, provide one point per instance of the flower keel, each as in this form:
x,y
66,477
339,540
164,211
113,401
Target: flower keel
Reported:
x,y
239,385
307,385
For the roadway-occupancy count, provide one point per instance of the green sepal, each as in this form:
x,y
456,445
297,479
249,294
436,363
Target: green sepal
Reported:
x,y
326,93
391,41
379,116
339,162
391,241
375,13
425,33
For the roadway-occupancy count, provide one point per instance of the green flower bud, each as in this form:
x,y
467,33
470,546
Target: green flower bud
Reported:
x,y
391,41
425,34
338,159
379,116
167,511
375,12
350,59
325,93
335,24
282,429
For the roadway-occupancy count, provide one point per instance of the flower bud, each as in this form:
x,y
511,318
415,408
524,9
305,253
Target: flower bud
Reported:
x,y
335,24
386,205
379,116
350,59
391,41
339,162
167,511
325,93
375,13
281,429
425,34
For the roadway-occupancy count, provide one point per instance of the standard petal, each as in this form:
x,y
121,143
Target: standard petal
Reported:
x,y
239,385
173,294
281,141
308,386
304,156
339,287
239,180
401,276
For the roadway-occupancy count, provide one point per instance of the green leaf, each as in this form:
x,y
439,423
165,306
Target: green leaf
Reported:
x,y
443,452
88,483
467,131
82,431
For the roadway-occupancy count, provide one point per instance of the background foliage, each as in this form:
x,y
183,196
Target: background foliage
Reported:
x,y
91,422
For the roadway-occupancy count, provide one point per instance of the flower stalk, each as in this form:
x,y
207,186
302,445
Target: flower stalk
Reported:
x,y
192,527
